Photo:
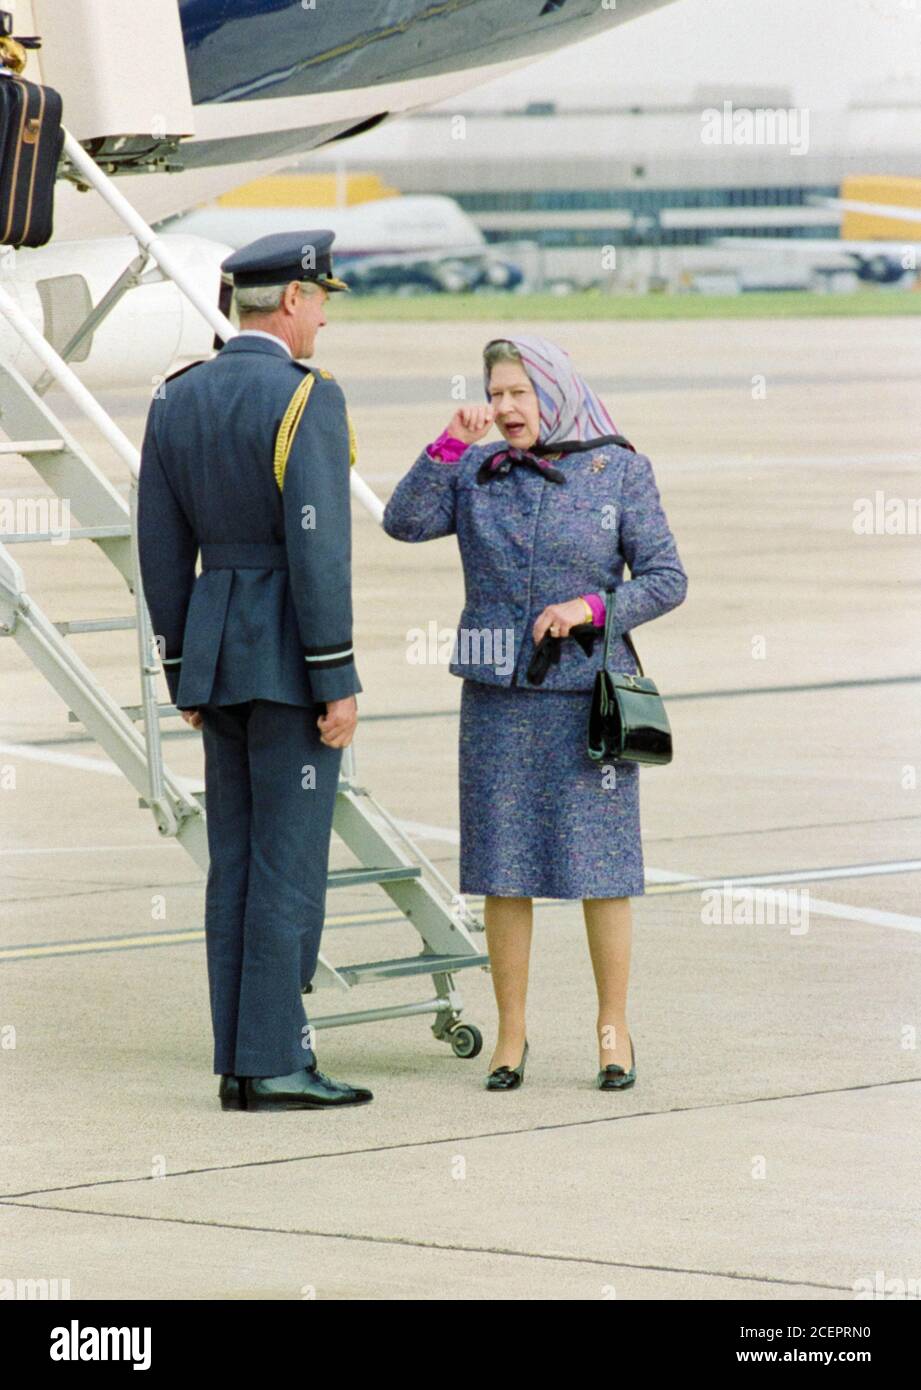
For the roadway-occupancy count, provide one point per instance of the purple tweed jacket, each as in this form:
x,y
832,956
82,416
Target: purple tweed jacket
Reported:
x,y
526,543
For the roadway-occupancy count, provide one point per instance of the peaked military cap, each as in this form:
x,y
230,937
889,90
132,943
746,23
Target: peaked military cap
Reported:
x,y
283,256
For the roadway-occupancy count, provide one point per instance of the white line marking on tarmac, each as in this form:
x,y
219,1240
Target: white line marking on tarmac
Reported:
x,y
821,906
51,755
889,866
742,889
864,914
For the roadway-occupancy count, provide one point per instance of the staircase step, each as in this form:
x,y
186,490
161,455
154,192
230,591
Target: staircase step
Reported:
x,y
33,431
76,533
134,712
349,878
409,965
96,625
32,446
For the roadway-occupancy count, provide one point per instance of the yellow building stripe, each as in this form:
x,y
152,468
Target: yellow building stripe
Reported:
x,y
308,190
894,190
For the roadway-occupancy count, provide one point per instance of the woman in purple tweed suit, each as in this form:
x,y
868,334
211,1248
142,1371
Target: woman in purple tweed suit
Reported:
x,y
545,525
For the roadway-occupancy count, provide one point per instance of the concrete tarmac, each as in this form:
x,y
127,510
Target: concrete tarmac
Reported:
x,y
769,1149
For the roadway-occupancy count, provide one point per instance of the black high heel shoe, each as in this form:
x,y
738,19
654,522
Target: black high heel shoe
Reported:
x,y
507,1078
614,1078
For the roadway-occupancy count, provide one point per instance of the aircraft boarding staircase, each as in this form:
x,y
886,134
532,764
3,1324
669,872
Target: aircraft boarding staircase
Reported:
x,y
386,855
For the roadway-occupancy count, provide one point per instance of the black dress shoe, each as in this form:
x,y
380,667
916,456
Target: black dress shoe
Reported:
x,y
231,1094
307,1089
615,1078
507,1078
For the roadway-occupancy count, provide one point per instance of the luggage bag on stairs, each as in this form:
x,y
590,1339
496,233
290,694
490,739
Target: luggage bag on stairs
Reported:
x,y
31,140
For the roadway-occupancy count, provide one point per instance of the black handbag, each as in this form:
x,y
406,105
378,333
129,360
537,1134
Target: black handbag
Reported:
x,y
31,141
627,719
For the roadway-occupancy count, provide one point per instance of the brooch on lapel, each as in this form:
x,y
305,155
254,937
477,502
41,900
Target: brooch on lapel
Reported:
x,y
598,463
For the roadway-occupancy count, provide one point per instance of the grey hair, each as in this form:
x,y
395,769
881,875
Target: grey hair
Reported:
x,y
264,299
500,350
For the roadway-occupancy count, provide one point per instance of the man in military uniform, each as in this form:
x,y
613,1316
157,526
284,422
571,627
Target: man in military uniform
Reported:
x,y
246,460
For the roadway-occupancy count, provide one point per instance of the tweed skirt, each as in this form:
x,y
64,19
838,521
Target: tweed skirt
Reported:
x,y
539,818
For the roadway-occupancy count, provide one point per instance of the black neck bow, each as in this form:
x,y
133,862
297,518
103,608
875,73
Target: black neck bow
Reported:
x,y
500,463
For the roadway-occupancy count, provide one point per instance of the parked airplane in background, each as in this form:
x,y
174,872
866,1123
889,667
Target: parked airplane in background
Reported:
x,y
399,243
877,262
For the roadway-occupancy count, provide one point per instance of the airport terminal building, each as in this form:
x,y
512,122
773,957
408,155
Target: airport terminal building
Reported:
x,y
632,196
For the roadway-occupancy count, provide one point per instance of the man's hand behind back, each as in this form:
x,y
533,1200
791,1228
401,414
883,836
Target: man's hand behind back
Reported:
x,y
337,725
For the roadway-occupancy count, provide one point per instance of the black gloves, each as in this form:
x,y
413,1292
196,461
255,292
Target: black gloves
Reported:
x,y
547,651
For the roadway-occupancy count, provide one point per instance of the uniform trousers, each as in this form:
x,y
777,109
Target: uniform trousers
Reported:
x,y
270,791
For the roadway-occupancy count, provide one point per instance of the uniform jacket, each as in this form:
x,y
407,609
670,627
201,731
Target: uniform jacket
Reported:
x,y
270,615
527,542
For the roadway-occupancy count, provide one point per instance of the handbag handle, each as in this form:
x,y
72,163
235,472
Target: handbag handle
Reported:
x,y
608,624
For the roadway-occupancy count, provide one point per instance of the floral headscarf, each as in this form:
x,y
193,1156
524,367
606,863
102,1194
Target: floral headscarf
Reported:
x,y
570,412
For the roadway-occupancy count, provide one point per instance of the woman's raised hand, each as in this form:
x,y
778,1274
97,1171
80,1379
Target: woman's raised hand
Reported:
x,y
470,422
